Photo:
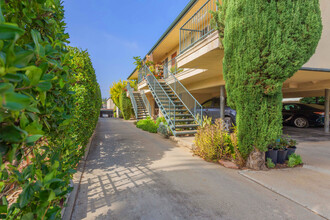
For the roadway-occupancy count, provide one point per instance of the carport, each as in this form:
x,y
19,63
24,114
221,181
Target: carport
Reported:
x,y
309,82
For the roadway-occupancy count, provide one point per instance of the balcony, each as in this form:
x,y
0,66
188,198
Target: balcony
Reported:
x,y
198,26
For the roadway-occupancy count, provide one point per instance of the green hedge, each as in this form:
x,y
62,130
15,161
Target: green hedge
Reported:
x,y
87,97
39,140
125,106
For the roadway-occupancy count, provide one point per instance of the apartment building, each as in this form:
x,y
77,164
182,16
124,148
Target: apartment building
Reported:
x,y
190,56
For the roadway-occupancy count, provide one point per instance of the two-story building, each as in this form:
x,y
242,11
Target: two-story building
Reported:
x,y
191,55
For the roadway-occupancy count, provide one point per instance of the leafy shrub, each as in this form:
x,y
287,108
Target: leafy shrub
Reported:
x,y
294,160
39,143
214,142
147,125
125,106
164,130
161,120
270,163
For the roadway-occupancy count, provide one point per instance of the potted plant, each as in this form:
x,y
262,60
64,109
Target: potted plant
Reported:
x,y
292,146
282,151
272,153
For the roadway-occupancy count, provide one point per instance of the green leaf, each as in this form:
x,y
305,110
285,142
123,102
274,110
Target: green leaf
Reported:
x,y
23,58
16,101
34,75
3,208
23,120
3,148
49,176
33,138
13,77
52,196
26,196
36,36
28,216
10,134
12,153
44,86
9,31
32,109
6,87
44,195
34,128
2,18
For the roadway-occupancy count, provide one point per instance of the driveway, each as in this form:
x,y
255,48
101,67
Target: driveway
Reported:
x,y
132,174
313,146
310,184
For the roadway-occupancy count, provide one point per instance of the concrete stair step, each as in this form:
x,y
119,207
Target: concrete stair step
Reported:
x,y
187,126
190,132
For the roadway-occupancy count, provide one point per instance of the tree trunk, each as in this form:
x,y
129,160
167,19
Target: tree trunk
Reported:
x,y
256,160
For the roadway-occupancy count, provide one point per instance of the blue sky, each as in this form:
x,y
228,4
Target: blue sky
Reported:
x,y
114,31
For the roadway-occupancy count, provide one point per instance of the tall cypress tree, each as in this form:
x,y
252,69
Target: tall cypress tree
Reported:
x,y
265,42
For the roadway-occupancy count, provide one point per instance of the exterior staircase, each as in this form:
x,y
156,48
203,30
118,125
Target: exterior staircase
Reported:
x,y
179,117
140,103
184,122
142,112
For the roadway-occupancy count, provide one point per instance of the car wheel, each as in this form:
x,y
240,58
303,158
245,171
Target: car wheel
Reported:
x,y
300,122
228,123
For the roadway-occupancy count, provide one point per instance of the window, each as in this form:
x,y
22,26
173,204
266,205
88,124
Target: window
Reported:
x,y
290,107
208,104
217,103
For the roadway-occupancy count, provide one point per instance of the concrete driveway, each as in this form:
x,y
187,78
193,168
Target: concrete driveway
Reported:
x,y
308,186
132,174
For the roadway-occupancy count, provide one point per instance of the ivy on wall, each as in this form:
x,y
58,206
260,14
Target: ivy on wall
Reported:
x,y
40,142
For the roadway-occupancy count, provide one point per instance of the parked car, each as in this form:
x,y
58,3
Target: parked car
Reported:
x,y
211,108
303,115
297,114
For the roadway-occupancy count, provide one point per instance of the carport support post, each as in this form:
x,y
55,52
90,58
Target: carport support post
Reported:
x,y
222,102
326,112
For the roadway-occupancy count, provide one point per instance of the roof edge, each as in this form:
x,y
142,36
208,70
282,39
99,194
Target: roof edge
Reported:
x,y
172,25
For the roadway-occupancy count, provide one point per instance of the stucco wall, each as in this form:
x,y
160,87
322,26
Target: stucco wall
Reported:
x,y
321,58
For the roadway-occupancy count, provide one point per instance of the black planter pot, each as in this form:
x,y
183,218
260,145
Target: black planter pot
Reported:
x,y
291,150
281,156
272,154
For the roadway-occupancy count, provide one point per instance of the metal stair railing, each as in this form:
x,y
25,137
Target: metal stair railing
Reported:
x,y
131,95
146,102
188,100
157,91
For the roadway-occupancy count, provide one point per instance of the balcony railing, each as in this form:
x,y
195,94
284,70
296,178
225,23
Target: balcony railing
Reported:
x,y
198,26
